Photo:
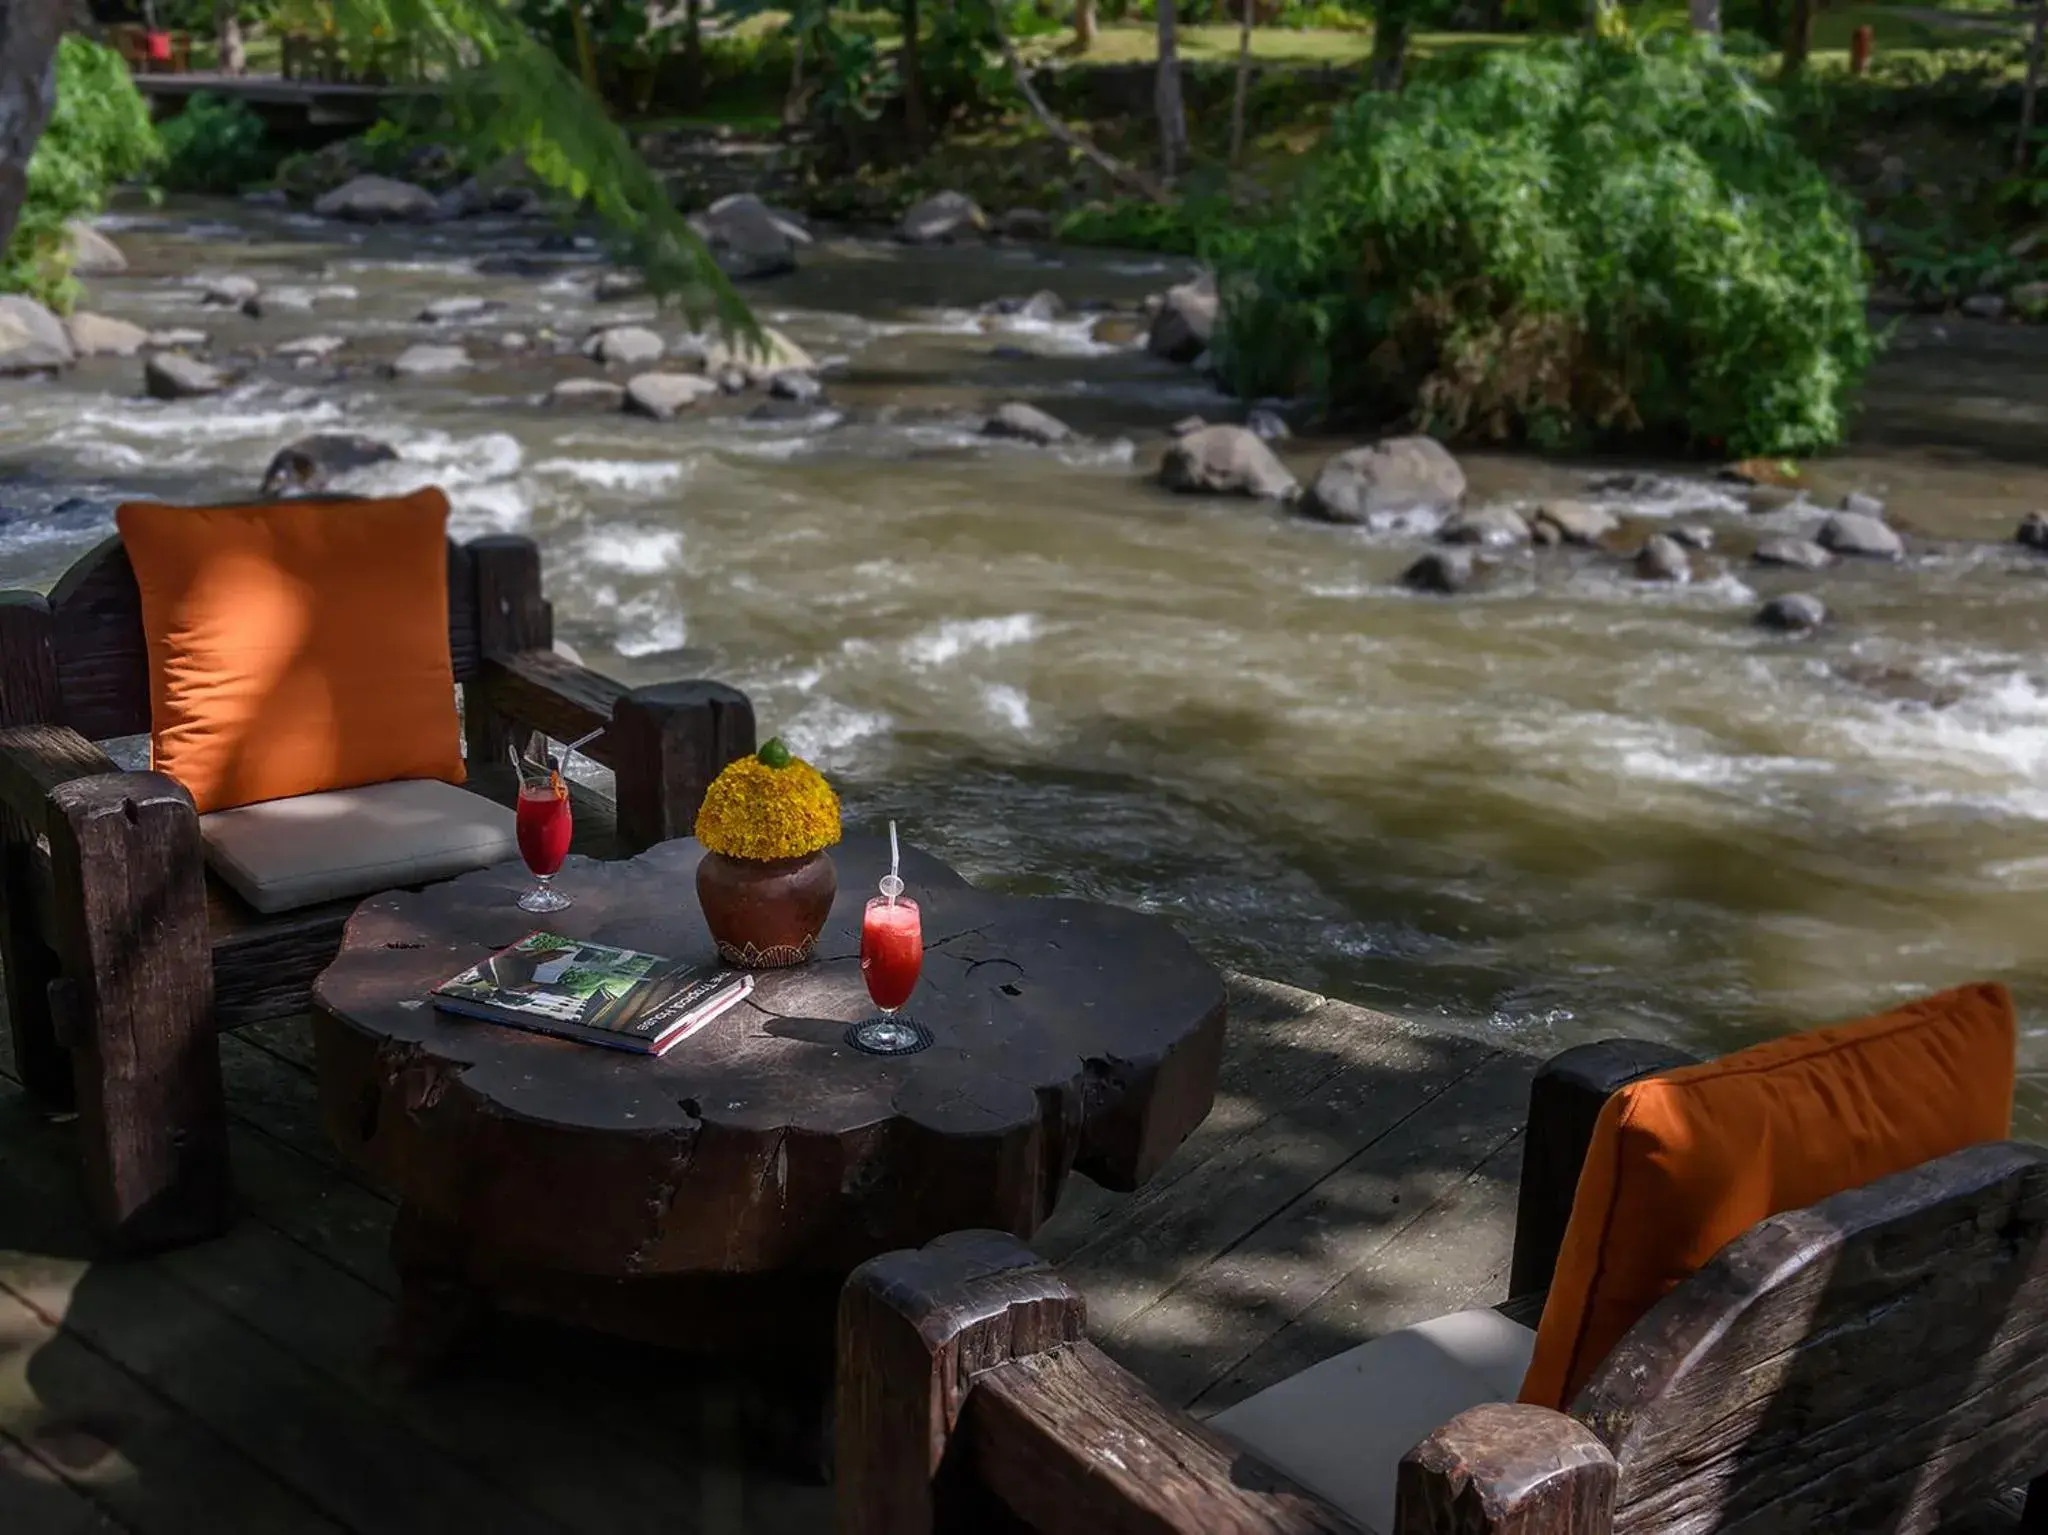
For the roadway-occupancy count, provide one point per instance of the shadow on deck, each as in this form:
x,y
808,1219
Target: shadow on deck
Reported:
x,y
1357,1173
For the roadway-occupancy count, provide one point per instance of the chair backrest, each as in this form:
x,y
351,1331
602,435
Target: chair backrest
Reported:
x,y
101,663
1878,1361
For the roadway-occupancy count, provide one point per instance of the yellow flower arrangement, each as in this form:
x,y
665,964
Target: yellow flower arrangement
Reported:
x,y
767,806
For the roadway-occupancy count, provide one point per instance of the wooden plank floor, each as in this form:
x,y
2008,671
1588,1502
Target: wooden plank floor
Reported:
x,y
1357,1174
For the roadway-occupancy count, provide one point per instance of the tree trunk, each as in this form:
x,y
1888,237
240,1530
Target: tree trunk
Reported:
x,y
1770,24
793,103
1117,171
1798,37
1389,50
1173,117
1706,16
1084,25
29,32
1244,78
693,54
2023,149
227,29
913,78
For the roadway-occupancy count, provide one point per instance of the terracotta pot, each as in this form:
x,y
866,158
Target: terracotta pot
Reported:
x,y
765,914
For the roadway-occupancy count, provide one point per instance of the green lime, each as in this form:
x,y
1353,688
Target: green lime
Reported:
x,y
774,753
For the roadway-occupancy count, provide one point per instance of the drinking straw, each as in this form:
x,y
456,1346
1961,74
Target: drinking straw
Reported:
x,y
518,771
893,885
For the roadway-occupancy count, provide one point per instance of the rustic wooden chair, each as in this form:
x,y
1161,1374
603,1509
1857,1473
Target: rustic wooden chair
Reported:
x,y
1875,1362
124,952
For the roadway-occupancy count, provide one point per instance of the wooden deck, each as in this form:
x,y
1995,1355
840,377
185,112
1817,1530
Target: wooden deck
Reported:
x,y
1358,1173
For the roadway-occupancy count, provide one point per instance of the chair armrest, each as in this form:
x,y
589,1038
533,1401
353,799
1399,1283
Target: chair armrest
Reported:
x,y
1565,1100
34,759
664,743
1507,1469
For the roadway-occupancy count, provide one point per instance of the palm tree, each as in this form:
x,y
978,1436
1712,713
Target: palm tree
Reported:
x,y
503,87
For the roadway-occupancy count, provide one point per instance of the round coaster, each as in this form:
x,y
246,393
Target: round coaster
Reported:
x,y
888,1036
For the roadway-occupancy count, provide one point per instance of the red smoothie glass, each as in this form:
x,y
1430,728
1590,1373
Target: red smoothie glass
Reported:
x,y
544,828
891,953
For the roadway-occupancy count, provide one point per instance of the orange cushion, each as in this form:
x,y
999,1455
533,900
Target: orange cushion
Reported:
x,y
1682,1164
296,647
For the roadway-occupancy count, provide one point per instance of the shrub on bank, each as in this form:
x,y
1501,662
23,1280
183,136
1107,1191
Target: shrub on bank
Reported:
x,y
217,144
99,133
1585,239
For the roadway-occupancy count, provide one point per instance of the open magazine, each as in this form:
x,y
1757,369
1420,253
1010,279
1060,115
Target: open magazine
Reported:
x,y
596,994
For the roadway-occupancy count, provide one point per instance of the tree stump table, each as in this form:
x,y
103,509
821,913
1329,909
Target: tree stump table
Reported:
x,y
717,1197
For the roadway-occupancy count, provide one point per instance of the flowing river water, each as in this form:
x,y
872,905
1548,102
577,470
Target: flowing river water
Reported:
x,y
1572,805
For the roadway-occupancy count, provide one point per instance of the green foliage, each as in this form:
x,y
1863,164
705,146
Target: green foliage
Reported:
x,y
1135,225
99,133
217,144
1579,240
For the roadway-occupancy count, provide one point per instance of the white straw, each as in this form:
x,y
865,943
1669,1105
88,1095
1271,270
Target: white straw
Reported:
x,y
570,750
895,882
518,771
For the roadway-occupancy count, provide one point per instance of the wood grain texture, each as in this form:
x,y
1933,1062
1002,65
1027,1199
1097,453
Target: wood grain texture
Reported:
x,y
1878,1361
512,619
518,691
29,691
915,1328
767,1144
1565,1100
667,743
128,873
34,759
1507,1469
1070,1440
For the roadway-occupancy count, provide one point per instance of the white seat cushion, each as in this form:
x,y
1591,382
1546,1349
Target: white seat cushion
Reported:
x,y
1341,1427
282,854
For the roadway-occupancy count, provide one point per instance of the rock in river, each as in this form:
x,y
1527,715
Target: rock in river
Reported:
x,y
616,287
101,335
1026,423
1795,613
1267,425
750,239
1799,553
1663,558
230,292
426,361
1397,480
32,340
1853,533
1572,522
308,464
1493,527
378,200
779,355
1025,224
2033,531
1441,570
800,387
1225,460
1868,506
178,339
454,311
1185,321
586,394
174,376
941,219
663,395
92,253
627,346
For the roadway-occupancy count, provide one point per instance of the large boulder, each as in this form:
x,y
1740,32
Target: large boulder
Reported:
x,y
776,354
1442,571
1185,321
310,463
1572,522
429,361
1492,527
1663,558
586,394
378,200
92,253
1793,613
1400,480
750,239
941,219
624,346
663,396
101,335
1026,423
174,376
1854,533
233,291
32,340
1226,461
1795,553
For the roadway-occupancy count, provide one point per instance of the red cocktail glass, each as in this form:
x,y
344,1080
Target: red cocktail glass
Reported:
x,y
544,826
891,956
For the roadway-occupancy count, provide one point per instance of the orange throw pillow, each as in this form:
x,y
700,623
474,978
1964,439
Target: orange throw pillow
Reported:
x,y
1682,1164
296,647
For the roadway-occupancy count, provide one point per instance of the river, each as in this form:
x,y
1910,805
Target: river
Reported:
x,y
1573,805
